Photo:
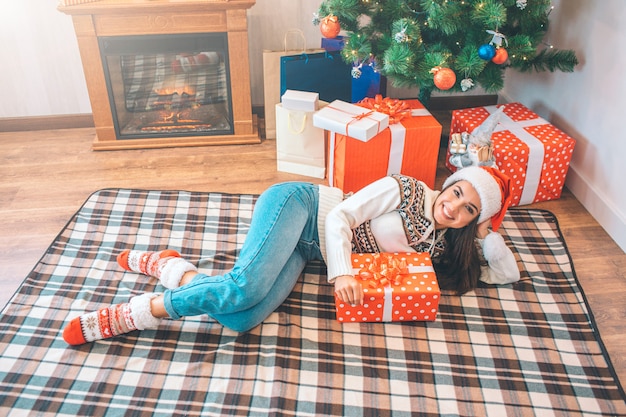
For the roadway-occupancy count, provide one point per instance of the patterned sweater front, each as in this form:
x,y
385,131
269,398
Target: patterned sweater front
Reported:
x,y
395,214
419,229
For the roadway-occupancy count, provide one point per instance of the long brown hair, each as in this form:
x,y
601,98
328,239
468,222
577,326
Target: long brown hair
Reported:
x,y
458,267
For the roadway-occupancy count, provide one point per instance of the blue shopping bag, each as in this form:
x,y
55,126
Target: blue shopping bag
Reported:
x,y
324,73
367,85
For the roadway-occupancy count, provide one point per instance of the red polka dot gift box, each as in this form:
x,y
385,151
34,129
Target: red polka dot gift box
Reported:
x,y
396,287
532,152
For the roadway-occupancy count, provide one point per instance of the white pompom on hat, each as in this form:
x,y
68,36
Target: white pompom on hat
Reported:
x,y
492,187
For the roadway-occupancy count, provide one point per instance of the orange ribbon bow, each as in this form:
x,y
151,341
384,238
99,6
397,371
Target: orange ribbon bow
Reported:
x,y
395,109
383,271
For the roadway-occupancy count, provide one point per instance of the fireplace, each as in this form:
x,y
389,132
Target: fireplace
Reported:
x,y
165,73
169,85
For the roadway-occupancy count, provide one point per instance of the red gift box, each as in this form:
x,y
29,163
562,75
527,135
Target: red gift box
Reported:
x,y
409,147
396,287
532,152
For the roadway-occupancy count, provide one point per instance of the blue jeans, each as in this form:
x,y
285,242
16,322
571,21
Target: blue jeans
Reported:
x,y
282,239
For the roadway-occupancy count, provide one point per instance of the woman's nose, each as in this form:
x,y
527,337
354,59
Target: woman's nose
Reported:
x,y
456,205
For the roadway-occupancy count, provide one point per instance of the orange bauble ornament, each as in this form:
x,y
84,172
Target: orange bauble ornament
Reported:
x,y
500,57
444,78
329,26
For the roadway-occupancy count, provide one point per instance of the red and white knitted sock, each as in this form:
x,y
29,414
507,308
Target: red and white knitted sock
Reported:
x,y
148,263
167,266
112,321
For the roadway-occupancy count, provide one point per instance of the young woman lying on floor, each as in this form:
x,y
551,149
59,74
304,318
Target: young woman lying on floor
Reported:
x,y
294,223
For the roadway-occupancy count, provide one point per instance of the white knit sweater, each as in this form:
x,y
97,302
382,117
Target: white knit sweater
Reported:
x,y
378,202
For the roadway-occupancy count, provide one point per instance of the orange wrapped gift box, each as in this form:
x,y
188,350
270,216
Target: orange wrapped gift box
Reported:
x,y
409,146
396,287
532,152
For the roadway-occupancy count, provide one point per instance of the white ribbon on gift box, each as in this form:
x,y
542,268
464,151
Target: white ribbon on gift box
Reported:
x,y
331,159
388,290
535,151
398,136
396,149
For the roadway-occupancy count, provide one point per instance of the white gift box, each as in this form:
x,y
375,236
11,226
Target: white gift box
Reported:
x,y
300,100
351,120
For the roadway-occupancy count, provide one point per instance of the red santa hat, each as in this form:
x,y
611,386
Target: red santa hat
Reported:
x,y
493,188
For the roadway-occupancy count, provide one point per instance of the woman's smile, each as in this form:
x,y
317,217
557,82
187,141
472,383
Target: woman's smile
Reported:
x,y
456,206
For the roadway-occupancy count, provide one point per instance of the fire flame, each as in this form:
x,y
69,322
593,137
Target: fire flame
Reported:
x,y
168,91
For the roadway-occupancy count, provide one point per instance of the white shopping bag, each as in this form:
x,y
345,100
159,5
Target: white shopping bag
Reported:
x,y
300,146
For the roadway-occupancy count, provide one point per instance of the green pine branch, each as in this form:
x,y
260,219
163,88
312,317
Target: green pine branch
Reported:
x,y
549,60
408,38
489,13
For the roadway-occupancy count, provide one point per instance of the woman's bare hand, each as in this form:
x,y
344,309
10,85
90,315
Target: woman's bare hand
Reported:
x,y
349,289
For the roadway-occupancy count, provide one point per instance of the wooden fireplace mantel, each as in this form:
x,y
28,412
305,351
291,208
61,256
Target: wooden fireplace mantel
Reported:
x,y
161,17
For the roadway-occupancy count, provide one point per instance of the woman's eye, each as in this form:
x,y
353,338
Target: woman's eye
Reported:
x,y
470,209
456,193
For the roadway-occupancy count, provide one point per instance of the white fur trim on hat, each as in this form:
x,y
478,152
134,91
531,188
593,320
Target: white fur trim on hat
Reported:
x,y
485,185
141,313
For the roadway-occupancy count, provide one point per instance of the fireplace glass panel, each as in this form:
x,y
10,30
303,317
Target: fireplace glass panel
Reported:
x,y
168,85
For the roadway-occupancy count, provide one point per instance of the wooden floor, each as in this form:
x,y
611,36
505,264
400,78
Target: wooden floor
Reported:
x,y
45,176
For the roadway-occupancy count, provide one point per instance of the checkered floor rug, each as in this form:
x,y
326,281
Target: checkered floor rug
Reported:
x,y
526,349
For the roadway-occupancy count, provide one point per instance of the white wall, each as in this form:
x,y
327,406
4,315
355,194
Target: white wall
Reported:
x,y
589,104
41,71
268,20
40,68
41,74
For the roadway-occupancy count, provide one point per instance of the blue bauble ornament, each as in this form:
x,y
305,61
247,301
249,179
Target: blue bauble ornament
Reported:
x,y
486,51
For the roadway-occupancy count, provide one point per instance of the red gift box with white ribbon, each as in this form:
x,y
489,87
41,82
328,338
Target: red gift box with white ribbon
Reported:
x,y
409,146
396,287
532,152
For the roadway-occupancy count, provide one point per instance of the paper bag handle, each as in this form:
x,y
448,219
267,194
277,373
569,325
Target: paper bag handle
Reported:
x,y
294,31
290,124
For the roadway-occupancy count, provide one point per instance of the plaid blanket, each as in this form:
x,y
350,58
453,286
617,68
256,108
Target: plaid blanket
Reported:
x,y
525,349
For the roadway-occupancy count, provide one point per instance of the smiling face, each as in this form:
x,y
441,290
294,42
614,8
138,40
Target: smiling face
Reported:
x,y
456,206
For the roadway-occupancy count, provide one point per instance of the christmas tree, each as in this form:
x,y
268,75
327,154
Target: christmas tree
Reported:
x,y
444,44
